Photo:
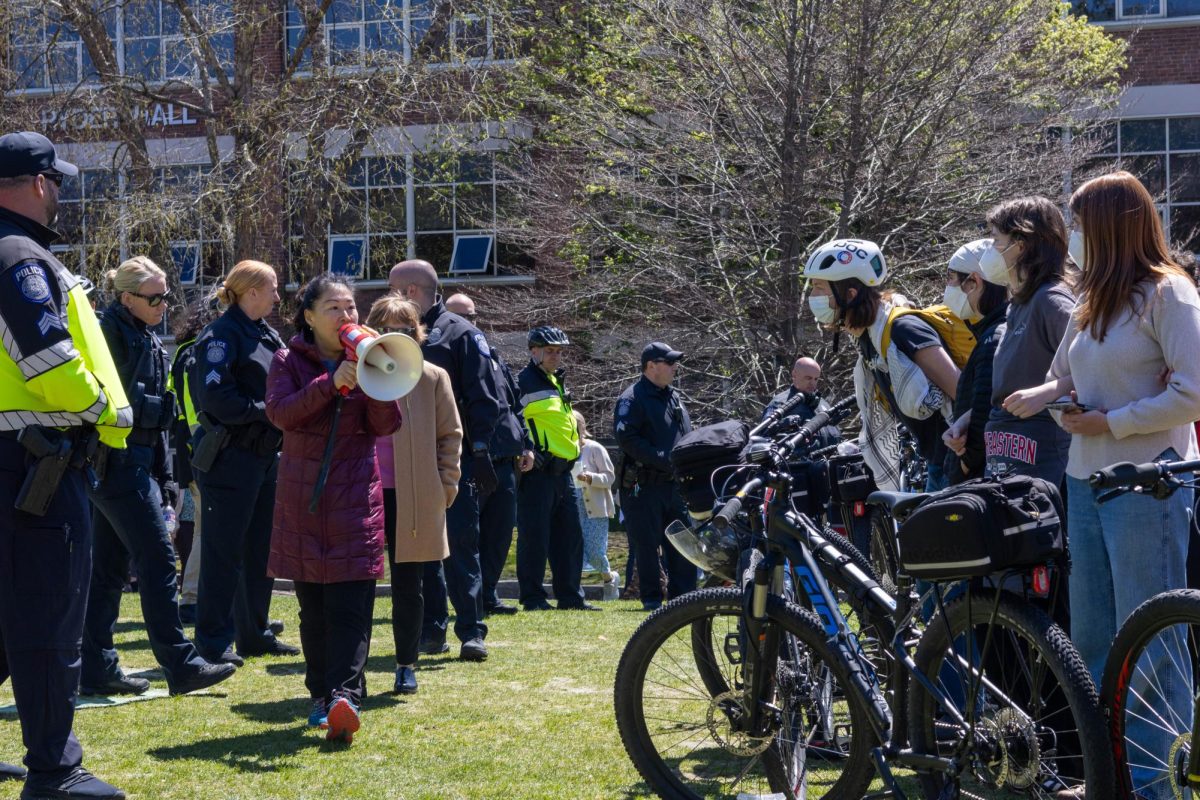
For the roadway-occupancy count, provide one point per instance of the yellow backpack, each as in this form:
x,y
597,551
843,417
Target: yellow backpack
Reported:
x,y
956,337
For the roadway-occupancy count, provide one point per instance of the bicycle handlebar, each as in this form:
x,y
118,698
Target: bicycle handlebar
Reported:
x,y
779,413
734,506
1128,476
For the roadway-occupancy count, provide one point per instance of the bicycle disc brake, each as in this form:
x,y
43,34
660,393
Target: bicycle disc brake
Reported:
x,y
721,726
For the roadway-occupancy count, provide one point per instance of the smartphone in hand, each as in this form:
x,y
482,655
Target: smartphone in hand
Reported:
x,y
1068,406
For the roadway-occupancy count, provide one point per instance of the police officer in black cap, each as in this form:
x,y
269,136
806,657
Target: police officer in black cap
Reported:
x,y
650,419
236,461
61,396
458,347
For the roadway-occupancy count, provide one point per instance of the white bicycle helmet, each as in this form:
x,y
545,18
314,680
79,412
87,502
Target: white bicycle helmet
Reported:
x,y
840,259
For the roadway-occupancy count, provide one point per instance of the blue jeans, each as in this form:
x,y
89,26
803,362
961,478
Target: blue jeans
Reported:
x,y
595,538
1123,553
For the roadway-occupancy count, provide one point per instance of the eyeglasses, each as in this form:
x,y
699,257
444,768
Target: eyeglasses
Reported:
x,y
664,361
56,177
153,300
409,332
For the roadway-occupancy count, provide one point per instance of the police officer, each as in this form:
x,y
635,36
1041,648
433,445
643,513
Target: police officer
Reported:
x,y
458,347
547,510
512,451
806,375
60,394
235,459
650,418
129,504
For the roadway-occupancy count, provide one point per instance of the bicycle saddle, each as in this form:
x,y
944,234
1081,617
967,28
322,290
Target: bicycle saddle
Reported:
x,y
899,504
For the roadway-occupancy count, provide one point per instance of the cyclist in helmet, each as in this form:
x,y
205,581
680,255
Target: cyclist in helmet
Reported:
x,y
910,382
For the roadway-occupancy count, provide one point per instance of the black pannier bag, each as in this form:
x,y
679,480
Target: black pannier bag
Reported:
x,y
983,526
701,452
850,479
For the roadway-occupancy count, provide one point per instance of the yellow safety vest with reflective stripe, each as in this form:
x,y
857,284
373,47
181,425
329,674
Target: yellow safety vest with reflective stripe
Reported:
x,y
69,384
550,421
183,394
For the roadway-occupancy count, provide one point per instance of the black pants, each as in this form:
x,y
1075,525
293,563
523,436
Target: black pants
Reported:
x,y
45,563
463,580
497,517
234,597
408,601
648,512
335,634
127,522
548,529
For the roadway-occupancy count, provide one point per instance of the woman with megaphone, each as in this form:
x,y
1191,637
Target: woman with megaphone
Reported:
x,y
328,536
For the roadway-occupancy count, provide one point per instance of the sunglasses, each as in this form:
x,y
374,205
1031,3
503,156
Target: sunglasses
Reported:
x,y
409,332
153,300
56,177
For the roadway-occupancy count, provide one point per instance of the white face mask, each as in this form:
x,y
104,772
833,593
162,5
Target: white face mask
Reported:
x,y
995,270
821,310
1075,246
958,302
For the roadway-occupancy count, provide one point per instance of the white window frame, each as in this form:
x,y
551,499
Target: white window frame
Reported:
x,y
1121,15
360,239
487,257
195,246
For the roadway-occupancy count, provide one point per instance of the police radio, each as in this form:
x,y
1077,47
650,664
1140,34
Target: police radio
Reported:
x,y
389,366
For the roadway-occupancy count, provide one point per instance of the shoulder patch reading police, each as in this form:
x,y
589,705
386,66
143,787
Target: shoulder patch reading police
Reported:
x,y
481,343
31,280
434,336
215,354
623,407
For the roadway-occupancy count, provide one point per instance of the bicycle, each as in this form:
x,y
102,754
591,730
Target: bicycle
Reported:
x,y
1157,644
784,701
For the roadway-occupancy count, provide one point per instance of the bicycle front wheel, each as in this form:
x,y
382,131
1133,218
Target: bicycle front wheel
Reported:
x,y
678,693
1034,727
1148,686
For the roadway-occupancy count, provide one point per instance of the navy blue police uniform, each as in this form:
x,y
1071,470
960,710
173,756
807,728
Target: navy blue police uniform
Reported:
x,y
127,521
458,347
228,383
498,512
56,368
648,422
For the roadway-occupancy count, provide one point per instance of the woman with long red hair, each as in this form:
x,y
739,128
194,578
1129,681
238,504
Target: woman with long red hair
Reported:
x,y
1138,318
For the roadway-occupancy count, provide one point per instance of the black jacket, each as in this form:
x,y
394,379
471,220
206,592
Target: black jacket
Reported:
x,y
975,394
648,422
458,347
228,378
511,437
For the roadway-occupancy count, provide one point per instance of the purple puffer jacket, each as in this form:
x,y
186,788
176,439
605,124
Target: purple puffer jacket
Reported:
x,y
344,540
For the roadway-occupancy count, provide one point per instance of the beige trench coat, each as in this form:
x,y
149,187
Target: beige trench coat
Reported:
x,y
427,450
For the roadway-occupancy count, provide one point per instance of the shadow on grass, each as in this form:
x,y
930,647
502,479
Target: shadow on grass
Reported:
x,y
291,709
252,752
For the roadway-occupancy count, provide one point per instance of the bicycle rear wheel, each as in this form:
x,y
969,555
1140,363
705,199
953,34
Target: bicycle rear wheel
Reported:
x,y
1148,686
1038,726
678,706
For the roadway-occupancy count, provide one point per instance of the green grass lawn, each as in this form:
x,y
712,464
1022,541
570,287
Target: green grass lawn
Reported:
x,y
534,721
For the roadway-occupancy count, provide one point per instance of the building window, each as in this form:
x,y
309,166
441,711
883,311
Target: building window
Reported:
x,y
156,39
1114,10
150,38
421,205
1165,155
359,34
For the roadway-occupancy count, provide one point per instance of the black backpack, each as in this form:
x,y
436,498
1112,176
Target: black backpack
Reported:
x,y
699,453
983,526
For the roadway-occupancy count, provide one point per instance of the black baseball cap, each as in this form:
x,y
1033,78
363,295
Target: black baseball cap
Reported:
x,y
657,350
29,153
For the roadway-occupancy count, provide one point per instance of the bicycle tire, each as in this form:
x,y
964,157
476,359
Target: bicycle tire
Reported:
x,y
1125,696
1020,747
678,778
881,551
